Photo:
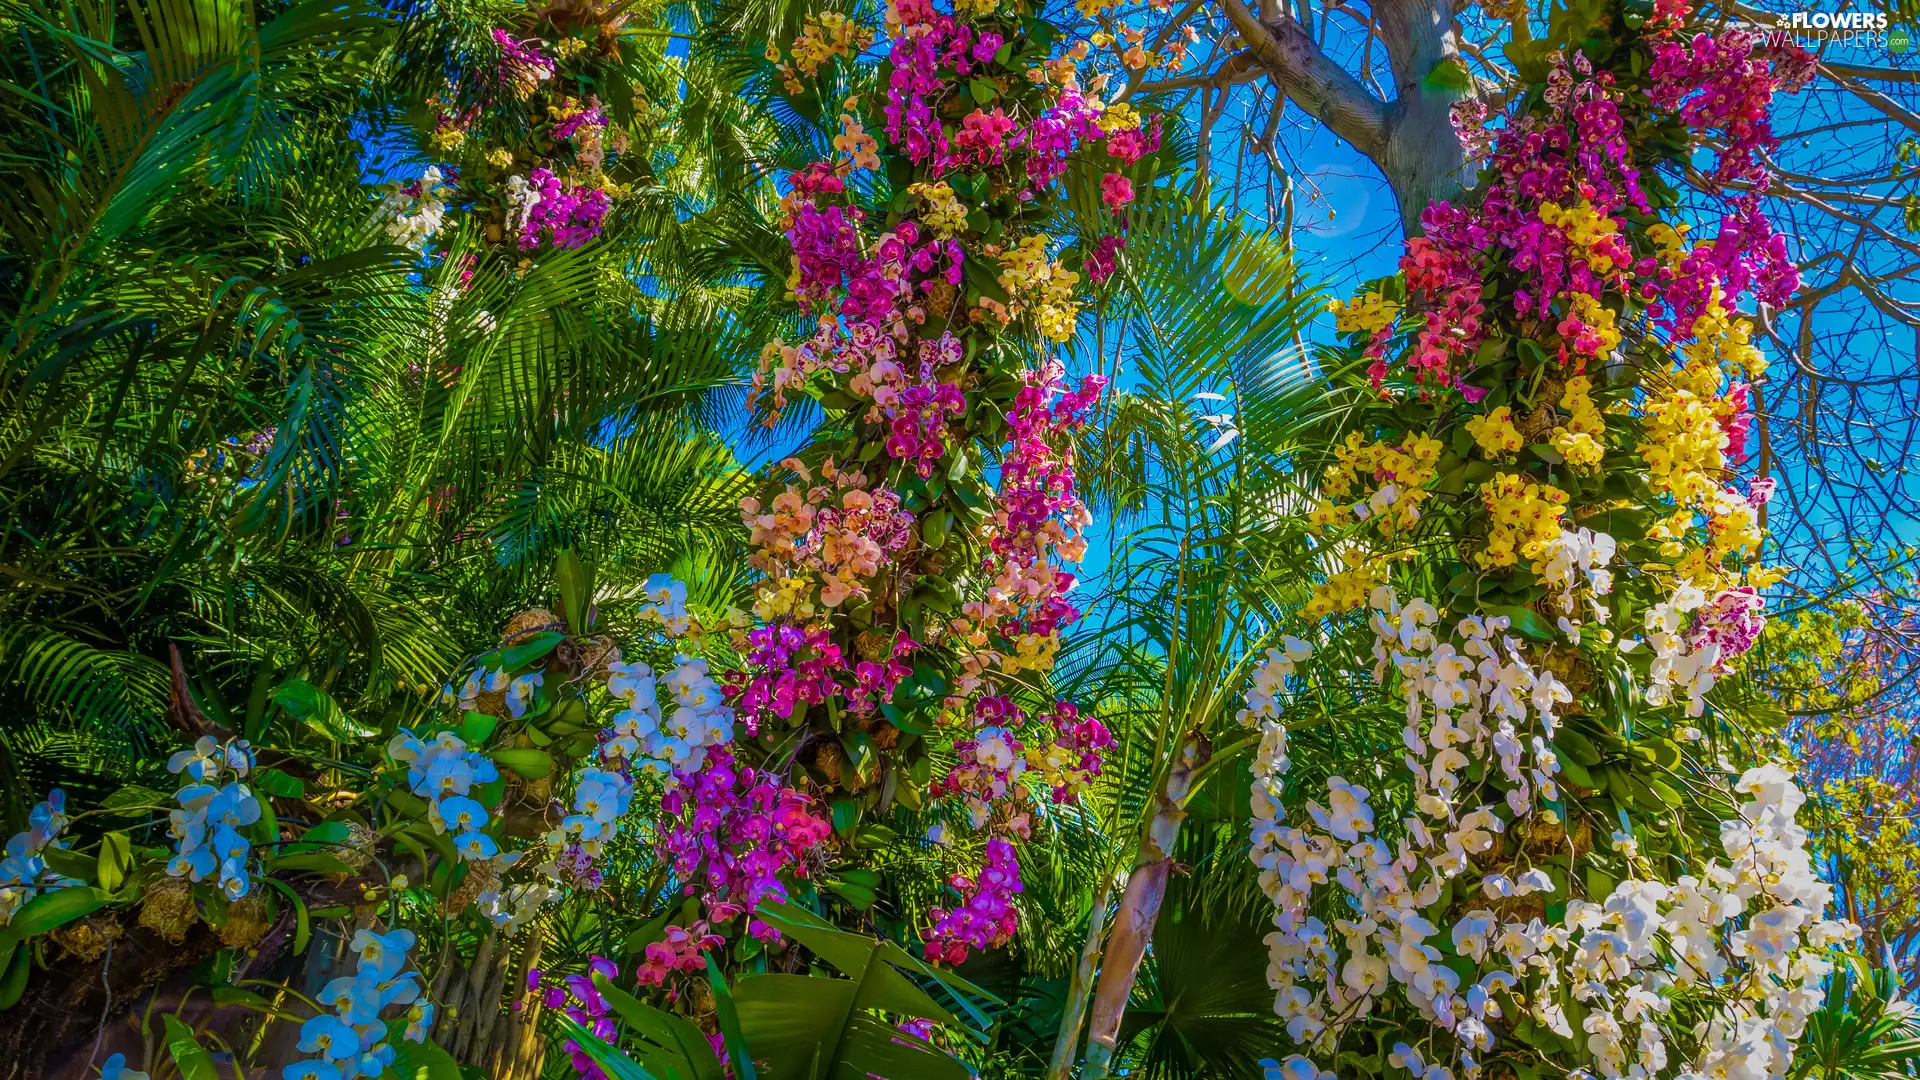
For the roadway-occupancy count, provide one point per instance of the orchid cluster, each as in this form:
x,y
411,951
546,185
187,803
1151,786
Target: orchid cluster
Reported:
x,y
581,1001
1560,209
732,830
1694,639
415,212
819,546
524,65
444,771
788,668
1750,933
547,188
560,213
859,620
24,873
664,742
666,605
214,806
492,691
985,918
1036,523
351,1041
1076,756
510,908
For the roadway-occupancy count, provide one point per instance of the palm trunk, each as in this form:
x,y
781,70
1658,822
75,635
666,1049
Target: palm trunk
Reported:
x,y
1075,1009
1140,906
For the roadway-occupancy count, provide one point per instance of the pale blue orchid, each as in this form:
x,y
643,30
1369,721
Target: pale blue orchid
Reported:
x,y
522,692
341,996
227,843
18,869
383,954
374,1062
115,1068
233,878
483,769
234,805
475,846
196,797
404,990
200,761
419,1022
329,1036
448,742
580,827
311,1069
49,818
406,747
188,828
632,681
239,757
193,865
449,775
462,814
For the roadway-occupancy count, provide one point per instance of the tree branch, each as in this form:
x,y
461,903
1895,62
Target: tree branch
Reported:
x,y
1311,79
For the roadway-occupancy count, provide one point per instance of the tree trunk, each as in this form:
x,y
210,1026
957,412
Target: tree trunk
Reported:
x,y
1410,139
1078,990
1422,160
1140,906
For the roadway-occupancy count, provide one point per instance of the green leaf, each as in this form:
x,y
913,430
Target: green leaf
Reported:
x,y
327,834
669,1044
278,784
529,763
860,896
425,1060
982,91
1449,76
729,1016
1525,621
318,862
616,1064
136,800
861,754
188,1055
114,862
521,653
314,707
477,728
51,910
576,594
19,963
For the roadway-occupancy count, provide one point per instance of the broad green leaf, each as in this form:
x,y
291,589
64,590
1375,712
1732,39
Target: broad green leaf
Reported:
x,y
426,1060
477,728
521,653
19,963
316,708
729,1017
616,1064
671,1045
137,800
114,862
188,1055
55,909
526,762
793,1021
279,784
